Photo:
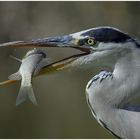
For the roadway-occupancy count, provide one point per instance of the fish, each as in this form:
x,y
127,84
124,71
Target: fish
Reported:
x,y
31,64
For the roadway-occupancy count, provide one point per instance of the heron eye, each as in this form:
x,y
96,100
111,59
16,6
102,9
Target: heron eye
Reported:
x,y
90,41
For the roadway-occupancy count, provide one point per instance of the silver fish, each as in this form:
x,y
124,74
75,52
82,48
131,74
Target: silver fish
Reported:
x,y
31,63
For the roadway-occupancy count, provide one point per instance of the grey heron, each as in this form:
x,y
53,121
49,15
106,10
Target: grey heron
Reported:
x,y
109,92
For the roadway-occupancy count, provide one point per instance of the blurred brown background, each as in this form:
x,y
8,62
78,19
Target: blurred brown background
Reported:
x,y
62,111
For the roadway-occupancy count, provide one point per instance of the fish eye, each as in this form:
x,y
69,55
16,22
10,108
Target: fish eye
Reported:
x,y
91,41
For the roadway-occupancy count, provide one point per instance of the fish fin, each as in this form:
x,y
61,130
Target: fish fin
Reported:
x,y
15,58
43,63
15,76
24,94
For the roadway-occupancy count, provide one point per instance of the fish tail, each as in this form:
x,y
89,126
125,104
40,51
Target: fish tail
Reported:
x,y
26,92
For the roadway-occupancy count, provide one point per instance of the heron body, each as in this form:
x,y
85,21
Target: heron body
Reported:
x,y
108,93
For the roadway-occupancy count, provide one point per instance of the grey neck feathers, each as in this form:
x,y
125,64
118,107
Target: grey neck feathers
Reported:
x,y
109,102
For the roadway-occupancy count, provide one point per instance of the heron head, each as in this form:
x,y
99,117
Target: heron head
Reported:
x,y
96,43
100,44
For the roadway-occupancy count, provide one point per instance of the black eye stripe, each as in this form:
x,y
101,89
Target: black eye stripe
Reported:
x,y
105,34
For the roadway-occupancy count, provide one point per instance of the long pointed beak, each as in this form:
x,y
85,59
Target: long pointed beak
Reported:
x,y
66,41
60,41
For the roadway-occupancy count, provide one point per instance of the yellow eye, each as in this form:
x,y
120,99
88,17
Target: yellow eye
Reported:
x,y
90,41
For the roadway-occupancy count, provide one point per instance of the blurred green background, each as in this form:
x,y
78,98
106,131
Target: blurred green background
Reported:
x,y
62,111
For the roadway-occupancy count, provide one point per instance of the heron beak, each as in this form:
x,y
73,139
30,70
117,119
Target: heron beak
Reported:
x,y
66,41
60,41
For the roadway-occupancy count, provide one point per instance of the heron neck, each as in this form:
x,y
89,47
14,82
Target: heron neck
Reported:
x,y
127,76
106,101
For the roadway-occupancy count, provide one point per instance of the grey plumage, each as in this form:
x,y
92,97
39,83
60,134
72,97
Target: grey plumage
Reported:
x,y
108,93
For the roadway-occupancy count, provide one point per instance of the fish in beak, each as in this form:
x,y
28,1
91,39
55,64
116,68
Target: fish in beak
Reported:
x,y
61,41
